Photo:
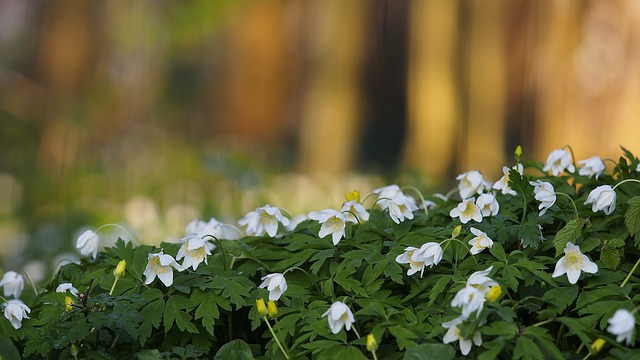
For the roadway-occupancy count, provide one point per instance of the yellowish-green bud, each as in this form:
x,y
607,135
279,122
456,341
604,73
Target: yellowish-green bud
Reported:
x,y
456,231
119,270
518,153
372,344
272,309
74,350
261,307
353,195
494,293
68,303
597,345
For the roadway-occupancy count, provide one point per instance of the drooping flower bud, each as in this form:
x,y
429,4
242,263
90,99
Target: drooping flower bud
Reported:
x,y
494,293
597,345
68,303
272,309
261,307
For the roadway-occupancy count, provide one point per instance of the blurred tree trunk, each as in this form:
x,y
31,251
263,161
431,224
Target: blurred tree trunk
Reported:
x,y
434,104
331,108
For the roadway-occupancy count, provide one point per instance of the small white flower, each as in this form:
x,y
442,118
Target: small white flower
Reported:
x,y
194,251
161,265
602,198
466,211
481,280
429,254
339,315
276,284
13,284
333,222
211,229
592,166
471,183
64,287
545,193
470,299
453,334
385,194
622,324
263,219
559,161
406,258
503,183
488,205
353,208
15,310
88,243
638,167
572,263
401,207
480,242
295,221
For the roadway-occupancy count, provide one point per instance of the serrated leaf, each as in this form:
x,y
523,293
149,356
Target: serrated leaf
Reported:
x,y
498,251
632,215
170,311
561,297
569,233
527,349
530,235
430,352
234,350
438,287
610,257
208,311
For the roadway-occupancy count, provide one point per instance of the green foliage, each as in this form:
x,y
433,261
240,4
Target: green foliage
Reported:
x,y
211,312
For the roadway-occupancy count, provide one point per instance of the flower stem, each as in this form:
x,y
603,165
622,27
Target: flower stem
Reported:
x,y
276,338
374,355
624,181
115,281
133,240
426,211
572,202
33,286
630,273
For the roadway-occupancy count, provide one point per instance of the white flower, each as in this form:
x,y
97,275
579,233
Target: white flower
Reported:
x,y
333,222
602,198
339,315
295,221
480,242
471,183
64,287
488,205
15,310
466,210
161,265
276,284
559,161
622,324
572,263
470,299
453,334
401,207
545,193
503,183
638,167
88,243
592,166
263,219
194,251
13,284
212,228
429,254
353,208
385,194
481,281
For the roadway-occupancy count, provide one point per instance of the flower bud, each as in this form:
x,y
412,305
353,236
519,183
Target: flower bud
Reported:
x,y
74,350
68,303
456,231
261,307
372,344
353,195
494,293
120,268
518,153
597,345
272,309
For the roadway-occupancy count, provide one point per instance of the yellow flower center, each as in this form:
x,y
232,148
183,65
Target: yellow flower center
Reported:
x,y
197,253
353,195
469,209
573,260
345,316
156,266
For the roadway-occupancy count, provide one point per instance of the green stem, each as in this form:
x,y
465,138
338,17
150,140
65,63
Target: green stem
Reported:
x,y
624,181
279,333
451,192
276,338
33,286
354,215
374,355
572,202
461,242
115,281
133,240
543,322
306,273
356,331
630,273
426,211
573,158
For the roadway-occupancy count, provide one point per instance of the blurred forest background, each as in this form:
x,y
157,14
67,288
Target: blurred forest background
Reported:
x,y
151,113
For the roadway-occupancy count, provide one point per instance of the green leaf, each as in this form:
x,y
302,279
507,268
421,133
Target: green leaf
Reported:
x,y
152,314
610,256
632,216
577,327
530,235
494,349
438,287
569,233
498,251
7,350
319,259
430,352
561,297
170,312
527,349
234,350
500,328
342,353
208,311
403,336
